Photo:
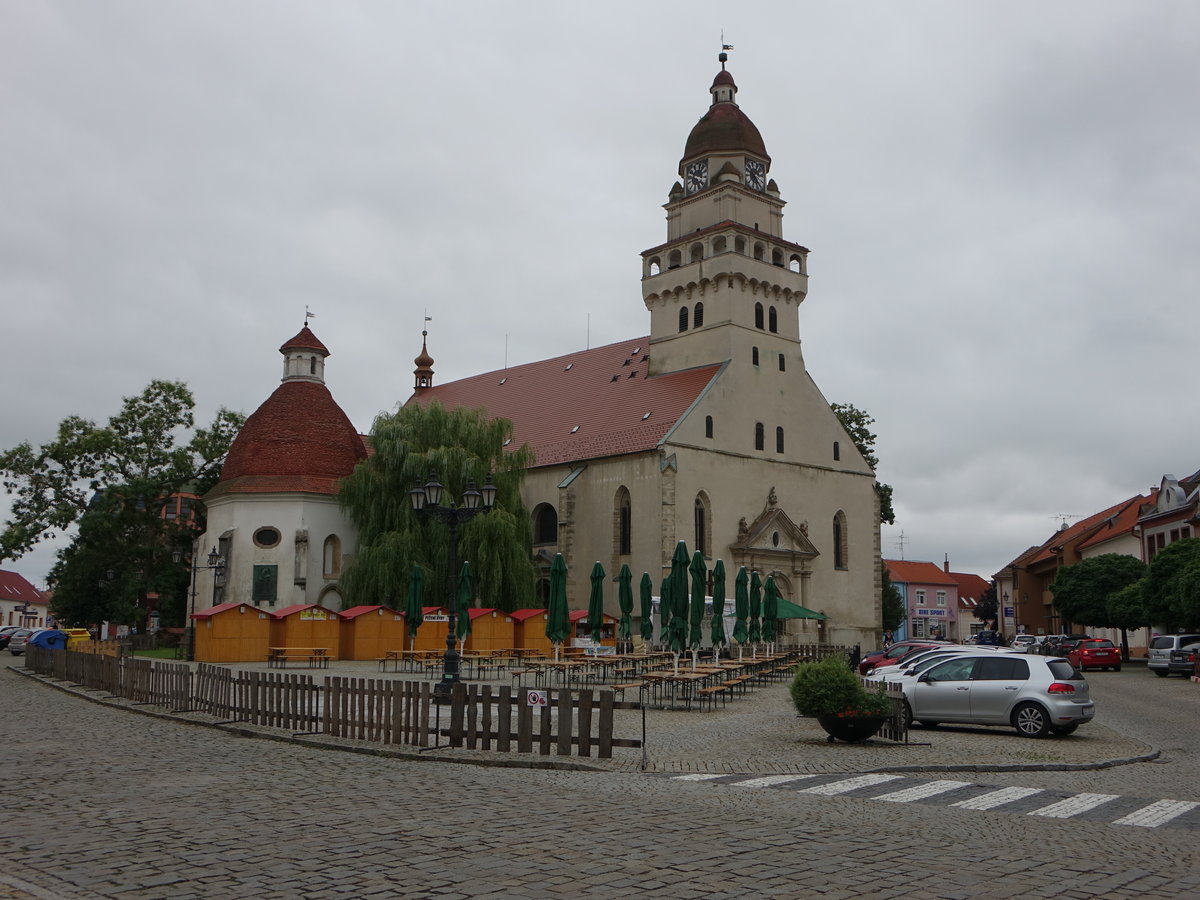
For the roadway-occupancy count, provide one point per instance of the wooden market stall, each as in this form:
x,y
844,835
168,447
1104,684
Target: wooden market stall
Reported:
x,y
232,632
370,631
581,633
307,625
431,634
491,629
529,631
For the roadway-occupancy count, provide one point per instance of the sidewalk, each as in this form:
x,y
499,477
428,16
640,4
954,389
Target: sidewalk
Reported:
x,y
758,734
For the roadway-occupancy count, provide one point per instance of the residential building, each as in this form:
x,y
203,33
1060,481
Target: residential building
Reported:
x,y
21,603
930,598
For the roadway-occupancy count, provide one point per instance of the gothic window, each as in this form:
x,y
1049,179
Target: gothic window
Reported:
x,y
683,318
777,257
674,260
782,364
697,252
840,549
758,315
754,355
332,557
708,426
624,523
703,524
545,525
779,440
772,320
759,439
837,451
698,315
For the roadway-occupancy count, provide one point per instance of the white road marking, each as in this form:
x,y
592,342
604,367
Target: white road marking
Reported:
x,y
992,799
849,784
921,791
698,776
1073,806
768,780
1157,813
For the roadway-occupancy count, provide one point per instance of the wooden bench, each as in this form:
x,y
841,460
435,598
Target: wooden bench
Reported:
x,y
710,694
316,657
620,689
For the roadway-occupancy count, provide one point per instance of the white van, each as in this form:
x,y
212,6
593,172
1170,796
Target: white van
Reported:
x,y
1160,651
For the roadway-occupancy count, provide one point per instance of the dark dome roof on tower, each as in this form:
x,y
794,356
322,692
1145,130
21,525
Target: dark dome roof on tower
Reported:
x,y
725,128
724,77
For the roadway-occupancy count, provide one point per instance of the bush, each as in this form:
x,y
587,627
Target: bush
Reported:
x,y
828,688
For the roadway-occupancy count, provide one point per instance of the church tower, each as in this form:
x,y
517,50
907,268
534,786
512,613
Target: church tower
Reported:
x,y
726,276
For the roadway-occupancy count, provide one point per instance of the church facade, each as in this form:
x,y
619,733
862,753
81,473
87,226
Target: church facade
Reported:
x,y
709,429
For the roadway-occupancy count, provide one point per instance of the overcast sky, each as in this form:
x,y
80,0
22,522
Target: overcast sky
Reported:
x,y
1001,199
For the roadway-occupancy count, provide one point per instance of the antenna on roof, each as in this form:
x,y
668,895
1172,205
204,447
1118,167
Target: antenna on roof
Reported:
x,y
1062,517
900,543
588,338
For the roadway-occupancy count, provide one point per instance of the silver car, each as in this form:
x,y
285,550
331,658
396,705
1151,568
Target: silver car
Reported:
x,y
1159,652
1035,695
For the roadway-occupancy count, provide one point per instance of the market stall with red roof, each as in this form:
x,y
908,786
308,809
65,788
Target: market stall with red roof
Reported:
x,y
307,625
529,630
232,632
367,632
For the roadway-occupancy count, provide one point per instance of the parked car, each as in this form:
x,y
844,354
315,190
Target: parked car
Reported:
x,y
1025,643
7,632
897,651
16,644
1159,652
1035,695
1095,653
1183,660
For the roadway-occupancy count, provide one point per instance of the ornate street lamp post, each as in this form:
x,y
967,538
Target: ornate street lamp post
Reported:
x,y
427,504
216,562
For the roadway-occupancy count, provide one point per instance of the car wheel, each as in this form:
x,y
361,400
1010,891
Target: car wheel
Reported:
x,y
929,723
1116,668
1031,721
908,718
1064,729
1161,673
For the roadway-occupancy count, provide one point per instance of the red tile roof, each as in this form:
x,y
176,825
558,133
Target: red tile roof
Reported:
x,y
355,611
476,612
907,571
576,614
299,607
520,615
17,588
298,440
304,340
1122,523
1081,529
970,587
570,407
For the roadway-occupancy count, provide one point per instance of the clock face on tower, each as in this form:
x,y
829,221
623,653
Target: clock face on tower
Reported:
x,y
755,175
696,176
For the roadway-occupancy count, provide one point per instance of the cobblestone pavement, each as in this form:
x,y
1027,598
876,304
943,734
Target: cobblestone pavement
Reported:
x,y
115,805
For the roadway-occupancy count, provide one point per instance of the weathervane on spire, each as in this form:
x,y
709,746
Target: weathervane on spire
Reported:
x,y
425,333
308,315
723,56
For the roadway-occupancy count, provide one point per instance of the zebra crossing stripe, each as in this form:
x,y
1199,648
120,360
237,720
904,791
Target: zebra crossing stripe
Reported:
x,y
768,780
921,791
848,784
992,799
1157,813
1073,806
698,776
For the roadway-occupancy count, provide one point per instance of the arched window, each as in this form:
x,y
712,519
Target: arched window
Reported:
x,y
759,251
837,451
758,315
840,548
683,318
655,266
719,245
739,244
772,320
332,557
702,525
697,252
759,439
312,365
624,511
698,315
754,355
779,439
674,260
795,263
708,426
545,524
777,257
782,363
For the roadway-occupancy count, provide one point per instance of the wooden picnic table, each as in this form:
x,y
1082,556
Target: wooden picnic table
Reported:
x,y
316,657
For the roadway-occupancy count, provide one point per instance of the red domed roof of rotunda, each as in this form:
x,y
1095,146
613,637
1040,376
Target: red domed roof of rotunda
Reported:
x,y
305,340
298,440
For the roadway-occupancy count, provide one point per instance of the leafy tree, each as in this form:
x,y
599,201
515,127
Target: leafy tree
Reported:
x,y
892,603
857,423
115,478
1082,591
460,446
1172,588
1126,609
988,609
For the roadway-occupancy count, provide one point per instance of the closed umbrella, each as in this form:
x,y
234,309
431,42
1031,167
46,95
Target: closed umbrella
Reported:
x,y
625,602
741,608
664,611
595,616
466,593
755,610
677,632
558,624
414,610
699,572
646,588
717,632
770,610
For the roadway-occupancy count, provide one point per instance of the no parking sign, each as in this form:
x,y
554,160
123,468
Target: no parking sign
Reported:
x,y
535,698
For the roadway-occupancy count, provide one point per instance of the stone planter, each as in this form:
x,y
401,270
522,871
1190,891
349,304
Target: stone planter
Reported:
x,y
850,728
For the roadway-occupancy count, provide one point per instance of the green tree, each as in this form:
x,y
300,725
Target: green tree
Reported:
x,y
892,603
1172,587
1127,609
1083,591
857,423
116,477
460,446
988,609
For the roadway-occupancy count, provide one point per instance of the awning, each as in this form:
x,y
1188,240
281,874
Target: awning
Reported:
x,y
793,611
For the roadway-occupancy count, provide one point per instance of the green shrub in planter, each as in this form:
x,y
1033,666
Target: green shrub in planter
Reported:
x,y
829,688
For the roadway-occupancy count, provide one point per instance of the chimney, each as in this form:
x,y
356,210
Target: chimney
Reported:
x,y
946,564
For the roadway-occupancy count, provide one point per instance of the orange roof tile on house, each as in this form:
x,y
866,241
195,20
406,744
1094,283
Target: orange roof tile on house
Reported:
x,y
970,587
18,588
584,405
906,571
1081,529
1122,523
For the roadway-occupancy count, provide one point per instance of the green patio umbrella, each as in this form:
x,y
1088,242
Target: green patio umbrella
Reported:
x,y
741,605
677,633
595,616
664,611
466,594
625,602
755,607
646,588
770,610
414,610
558,624
717,632
699,572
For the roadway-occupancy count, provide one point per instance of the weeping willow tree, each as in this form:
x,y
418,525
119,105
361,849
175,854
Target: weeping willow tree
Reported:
x,y
460,446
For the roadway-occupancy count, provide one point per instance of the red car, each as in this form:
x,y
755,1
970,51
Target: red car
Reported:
x,y
1095,653
894,653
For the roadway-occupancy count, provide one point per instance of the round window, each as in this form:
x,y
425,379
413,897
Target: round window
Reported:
x,y
266,537
775,538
